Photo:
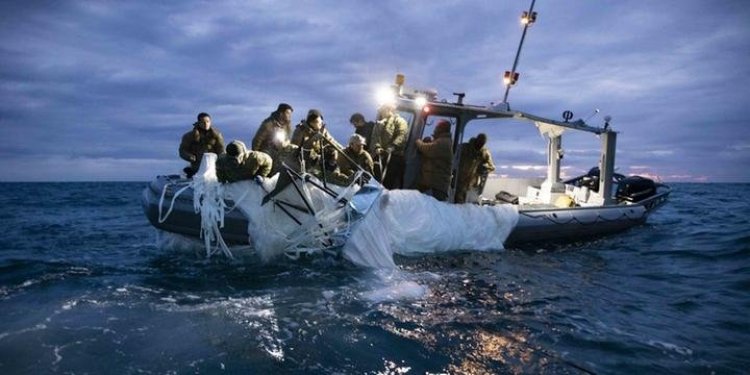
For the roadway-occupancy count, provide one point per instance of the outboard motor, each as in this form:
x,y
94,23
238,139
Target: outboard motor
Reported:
x,y
635,189
591,179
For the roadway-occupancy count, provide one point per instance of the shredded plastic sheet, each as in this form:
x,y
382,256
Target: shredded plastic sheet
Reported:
x,y
407,222
208,201
403,222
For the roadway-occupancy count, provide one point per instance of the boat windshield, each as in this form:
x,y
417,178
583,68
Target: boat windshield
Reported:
x,y
431,121
519,151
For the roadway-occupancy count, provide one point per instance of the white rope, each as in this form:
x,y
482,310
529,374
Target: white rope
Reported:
x,y
238,201
171,204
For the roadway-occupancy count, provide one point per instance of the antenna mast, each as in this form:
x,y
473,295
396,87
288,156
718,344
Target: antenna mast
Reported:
x,y
510,77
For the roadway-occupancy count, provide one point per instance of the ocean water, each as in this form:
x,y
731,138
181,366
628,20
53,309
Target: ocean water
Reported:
x,y
84,288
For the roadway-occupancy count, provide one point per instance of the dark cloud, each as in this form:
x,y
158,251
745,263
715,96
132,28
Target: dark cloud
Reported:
x,y
104,90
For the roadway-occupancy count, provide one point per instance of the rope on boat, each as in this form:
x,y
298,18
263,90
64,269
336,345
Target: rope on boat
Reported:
x,y
162,219
573,219
208,201
210,215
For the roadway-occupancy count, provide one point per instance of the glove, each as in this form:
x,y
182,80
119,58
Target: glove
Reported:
x,y
390,149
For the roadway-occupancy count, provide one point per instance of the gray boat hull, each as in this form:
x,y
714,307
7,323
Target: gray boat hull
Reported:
x,y
534,225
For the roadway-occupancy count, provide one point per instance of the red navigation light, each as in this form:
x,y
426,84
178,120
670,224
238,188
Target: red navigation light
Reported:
x,y
426,109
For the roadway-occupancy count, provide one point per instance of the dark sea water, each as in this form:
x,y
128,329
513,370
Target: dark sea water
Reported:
x,y
85,289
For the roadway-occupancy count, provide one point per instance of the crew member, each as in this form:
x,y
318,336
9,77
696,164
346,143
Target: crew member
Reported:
x,y
363,128
312,137
476,163
284,153
330,171
437,161
239,164
277,126
201,139
355,157
388,144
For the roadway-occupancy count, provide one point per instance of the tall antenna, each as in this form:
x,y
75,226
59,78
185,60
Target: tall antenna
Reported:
x,y
510,77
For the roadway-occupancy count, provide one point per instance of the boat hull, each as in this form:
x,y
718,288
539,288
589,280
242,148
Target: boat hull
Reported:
x,y
183,219
534,225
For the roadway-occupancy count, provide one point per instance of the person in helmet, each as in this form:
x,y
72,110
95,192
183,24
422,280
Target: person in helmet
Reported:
x,y
239,164
355,157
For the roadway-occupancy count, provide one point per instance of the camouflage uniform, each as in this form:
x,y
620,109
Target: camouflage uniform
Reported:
x,y
265,138
363,159
197,142
333,175
312,142
289,155
437,161
244,166
472,160
390,134
366,132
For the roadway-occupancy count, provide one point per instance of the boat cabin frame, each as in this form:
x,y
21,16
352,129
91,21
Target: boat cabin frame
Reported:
x,y
418,106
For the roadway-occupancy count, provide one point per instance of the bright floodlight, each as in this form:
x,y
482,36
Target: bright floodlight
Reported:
x,y
420,101
280,136
385,95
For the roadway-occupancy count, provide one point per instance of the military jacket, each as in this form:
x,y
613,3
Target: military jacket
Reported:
x,y
198,141
366,132
389,133
362,158
265,137
248,165
333,175
288,155
312,142
472,160
437,161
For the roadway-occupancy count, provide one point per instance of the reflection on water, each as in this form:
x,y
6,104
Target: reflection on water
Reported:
x,y
84,289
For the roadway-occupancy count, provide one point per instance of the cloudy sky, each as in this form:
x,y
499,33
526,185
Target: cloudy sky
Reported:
x,y
103,90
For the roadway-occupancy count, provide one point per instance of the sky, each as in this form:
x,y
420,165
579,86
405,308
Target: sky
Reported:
x,y
103,90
